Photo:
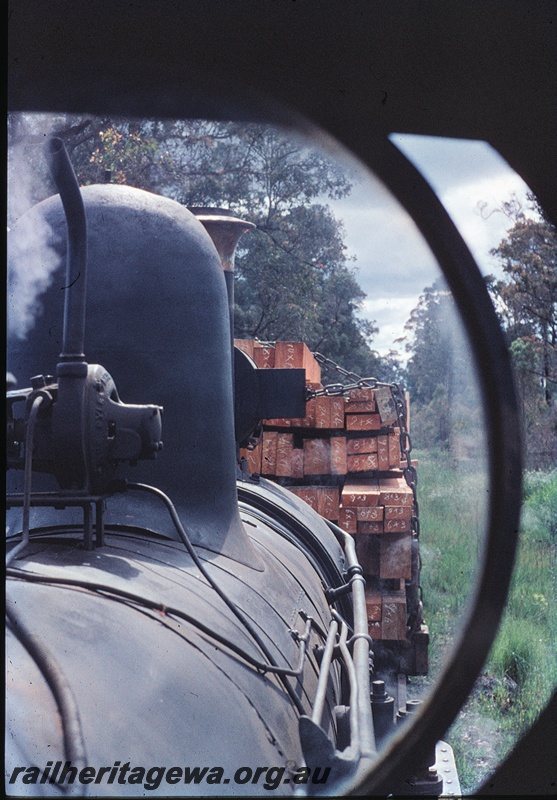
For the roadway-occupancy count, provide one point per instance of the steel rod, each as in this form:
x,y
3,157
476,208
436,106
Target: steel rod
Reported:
x,y
324,669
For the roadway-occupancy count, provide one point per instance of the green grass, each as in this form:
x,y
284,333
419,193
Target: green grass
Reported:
x,y
521,671
452,511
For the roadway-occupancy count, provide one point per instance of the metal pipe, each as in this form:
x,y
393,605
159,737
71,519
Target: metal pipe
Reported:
x,y
355,696
361,647
74,743
236,610
324,669
76,265
27,477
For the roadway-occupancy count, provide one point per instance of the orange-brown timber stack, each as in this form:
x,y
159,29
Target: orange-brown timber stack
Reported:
x,y
344,459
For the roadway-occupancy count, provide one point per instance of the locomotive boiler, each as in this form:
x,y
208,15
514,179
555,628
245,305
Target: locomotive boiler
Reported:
x,y
174,626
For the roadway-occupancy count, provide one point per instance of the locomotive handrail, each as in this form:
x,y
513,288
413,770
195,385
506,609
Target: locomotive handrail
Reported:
x,y
355,739
326,660
356,756
361,641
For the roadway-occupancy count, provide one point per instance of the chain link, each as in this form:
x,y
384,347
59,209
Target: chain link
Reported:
x,y
414,588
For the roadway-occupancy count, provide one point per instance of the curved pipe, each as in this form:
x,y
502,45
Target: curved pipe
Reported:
x,y
74,743
76,265
361,651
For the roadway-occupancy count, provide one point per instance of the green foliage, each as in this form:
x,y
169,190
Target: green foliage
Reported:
x,y
293,278
121,157
431,424
452,506
527,296
513,657
439,375
539,417
521,672
429,366
541,503
525,299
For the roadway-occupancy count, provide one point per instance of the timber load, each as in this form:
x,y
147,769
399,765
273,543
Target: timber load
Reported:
x,y
345,460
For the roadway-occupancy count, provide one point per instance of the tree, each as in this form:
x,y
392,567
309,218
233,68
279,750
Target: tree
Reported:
x,y
527,295
429,365
526,298
439,372
293,277
429,369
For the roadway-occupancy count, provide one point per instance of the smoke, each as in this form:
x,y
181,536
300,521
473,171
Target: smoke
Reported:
x,y
32,262
34,253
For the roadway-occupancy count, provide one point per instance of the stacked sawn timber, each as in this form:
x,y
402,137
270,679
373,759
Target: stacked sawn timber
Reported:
x,y
344,459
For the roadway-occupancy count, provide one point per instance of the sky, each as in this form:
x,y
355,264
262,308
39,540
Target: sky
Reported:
x,y
394,263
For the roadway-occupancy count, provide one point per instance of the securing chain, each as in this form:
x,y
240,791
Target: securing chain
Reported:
x,y
414,588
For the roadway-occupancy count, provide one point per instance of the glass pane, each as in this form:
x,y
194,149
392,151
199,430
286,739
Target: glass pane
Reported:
x,y
335,263
515,249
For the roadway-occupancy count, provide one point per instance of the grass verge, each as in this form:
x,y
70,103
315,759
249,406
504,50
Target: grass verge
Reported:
x,y
521,671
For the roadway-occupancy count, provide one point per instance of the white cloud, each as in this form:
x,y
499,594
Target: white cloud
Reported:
x,y
393,261
465,174
392,257
483,231
391,315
